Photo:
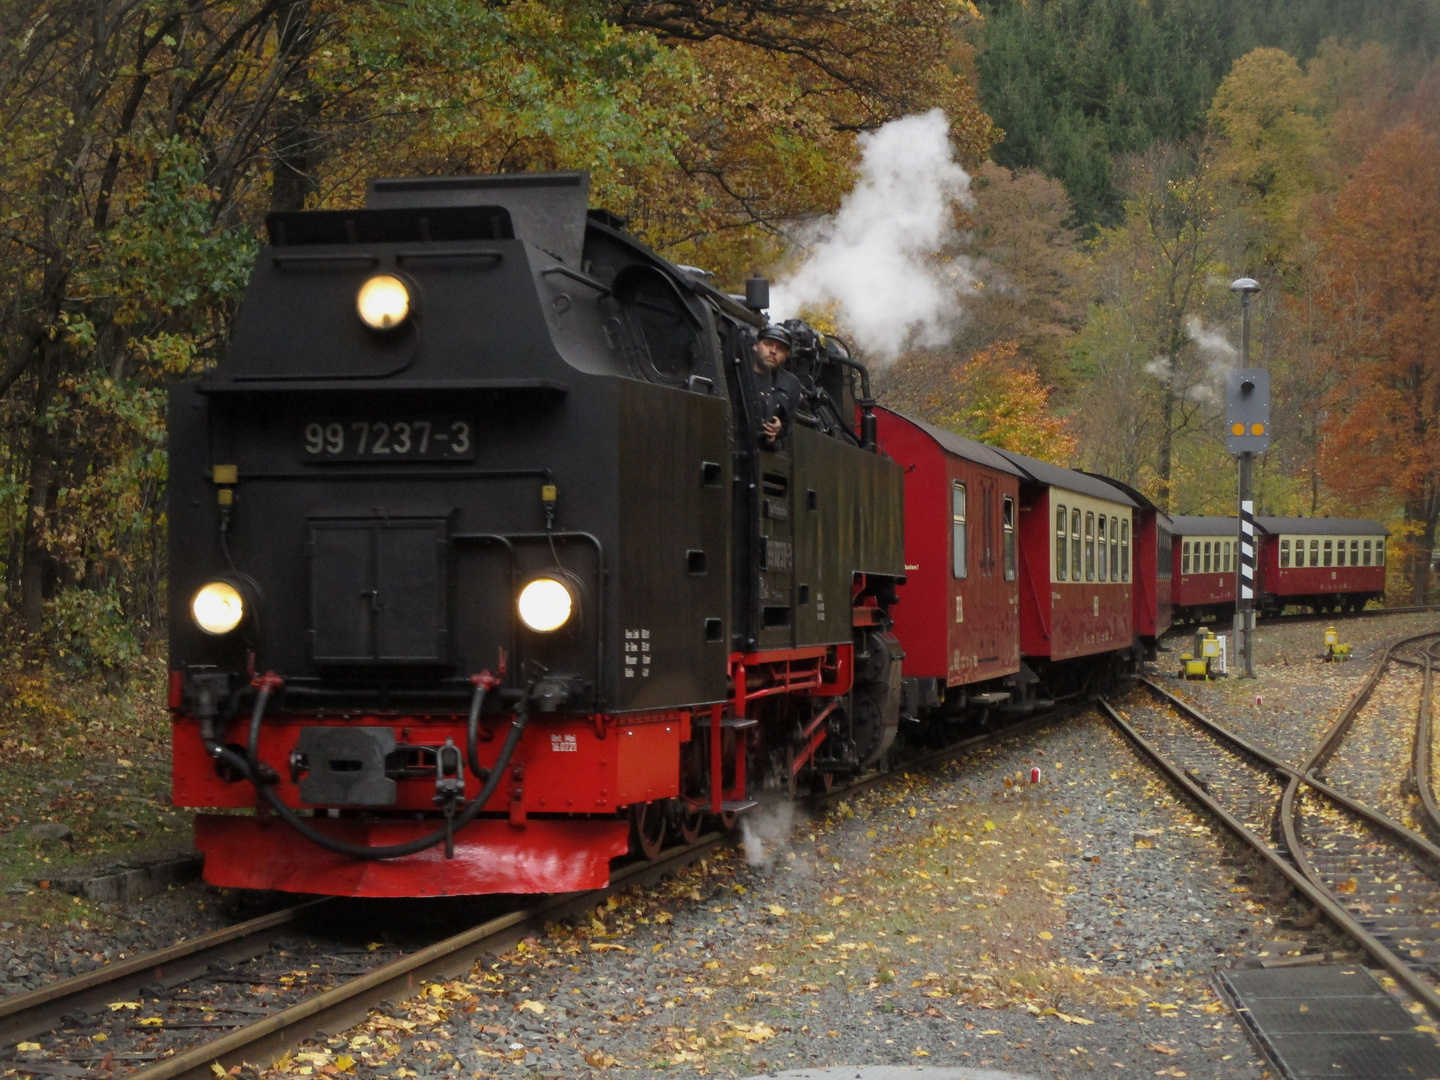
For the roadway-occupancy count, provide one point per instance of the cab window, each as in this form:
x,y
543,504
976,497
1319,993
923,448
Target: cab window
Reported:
x,y
1284,553
958,538
1062,541
1103,543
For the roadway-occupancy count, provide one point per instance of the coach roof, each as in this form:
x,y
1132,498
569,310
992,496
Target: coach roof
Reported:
x,y
965,448
1042,472
1322,526
1205,526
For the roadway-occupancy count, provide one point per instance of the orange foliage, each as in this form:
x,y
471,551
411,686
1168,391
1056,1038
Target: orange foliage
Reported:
x,y
1381,255
1000,400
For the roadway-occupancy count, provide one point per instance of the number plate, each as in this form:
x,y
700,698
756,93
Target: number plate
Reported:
x,y
422,439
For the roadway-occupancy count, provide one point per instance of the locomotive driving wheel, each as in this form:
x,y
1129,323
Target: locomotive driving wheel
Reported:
x,y
647,822
689,820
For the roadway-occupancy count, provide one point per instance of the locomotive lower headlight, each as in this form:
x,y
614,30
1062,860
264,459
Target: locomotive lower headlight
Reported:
x,y
217,608
383,302
546,604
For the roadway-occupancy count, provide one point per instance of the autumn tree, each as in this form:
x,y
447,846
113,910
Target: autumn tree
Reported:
x,y
998,399
1381,256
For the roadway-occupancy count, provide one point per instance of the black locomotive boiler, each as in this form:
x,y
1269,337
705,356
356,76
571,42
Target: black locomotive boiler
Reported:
x,y
480,572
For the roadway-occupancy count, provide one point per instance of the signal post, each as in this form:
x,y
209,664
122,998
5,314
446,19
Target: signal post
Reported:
x,y
1247,433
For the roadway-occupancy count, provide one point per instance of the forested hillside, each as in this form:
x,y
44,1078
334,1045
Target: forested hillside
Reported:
x,y
1127,159
1151,153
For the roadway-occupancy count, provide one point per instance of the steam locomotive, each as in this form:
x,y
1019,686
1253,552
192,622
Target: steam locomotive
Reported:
x,y
484,572
480,571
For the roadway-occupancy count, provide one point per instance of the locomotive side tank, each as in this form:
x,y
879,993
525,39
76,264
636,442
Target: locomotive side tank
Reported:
x,y
477,568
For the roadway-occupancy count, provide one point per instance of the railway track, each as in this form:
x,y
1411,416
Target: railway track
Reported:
x,y
1374,878
1185,629
251,991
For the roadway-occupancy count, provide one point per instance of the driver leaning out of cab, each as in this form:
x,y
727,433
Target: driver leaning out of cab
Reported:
x,y
778,388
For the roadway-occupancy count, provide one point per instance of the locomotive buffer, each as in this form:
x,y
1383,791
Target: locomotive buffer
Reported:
x,y
1247,433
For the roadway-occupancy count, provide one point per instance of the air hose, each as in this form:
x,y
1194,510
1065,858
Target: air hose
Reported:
x,y
250,767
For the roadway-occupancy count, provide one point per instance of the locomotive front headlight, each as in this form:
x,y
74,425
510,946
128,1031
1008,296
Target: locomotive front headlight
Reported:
x,y
217,608
383,302
546,604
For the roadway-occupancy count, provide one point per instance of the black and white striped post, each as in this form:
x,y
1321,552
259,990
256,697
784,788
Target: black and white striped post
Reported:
x,y
1247,419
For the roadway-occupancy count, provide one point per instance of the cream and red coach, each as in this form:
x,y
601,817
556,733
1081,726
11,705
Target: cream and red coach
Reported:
x,y
1325,564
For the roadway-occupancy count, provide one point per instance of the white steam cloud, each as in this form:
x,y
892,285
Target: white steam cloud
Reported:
x,y
1219,356
877,260
766,832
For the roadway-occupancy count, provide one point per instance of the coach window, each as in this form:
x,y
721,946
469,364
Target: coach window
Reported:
x,y
1329,553
1007,522
1062,541
1229,554
1102,541
1089,545
1124,551
1284,553
1075,544
1354,552
1379,552
957,510
1299,553
1314,552
1205,566
1366,553
1340,553
1184,556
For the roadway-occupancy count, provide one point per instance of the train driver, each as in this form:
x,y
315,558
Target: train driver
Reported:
x,y
779,389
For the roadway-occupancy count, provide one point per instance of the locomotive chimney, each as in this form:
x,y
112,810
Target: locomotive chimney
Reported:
x,y
757,293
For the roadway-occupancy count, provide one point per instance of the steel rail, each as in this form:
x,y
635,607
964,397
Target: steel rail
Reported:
x,y
1181,630
342,1006
349,1003
1420,760
1317,895
24,1015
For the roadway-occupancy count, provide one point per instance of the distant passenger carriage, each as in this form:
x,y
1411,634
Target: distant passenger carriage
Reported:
x,y
1075,536
1152,558
1326,564
1205,556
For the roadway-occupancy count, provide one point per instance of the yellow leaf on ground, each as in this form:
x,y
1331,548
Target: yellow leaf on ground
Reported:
x,y
216,1069
151,1021
711,965
1045,935
1346,887
778,911
28,1046
345,1063
989,826
763,969
992,1031
116,1006
823,938
836,901
1161,1048
601,946
534,1006
917,1052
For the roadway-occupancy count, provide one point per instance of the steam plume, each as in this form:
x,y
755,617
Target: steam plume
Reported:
x,y
876,260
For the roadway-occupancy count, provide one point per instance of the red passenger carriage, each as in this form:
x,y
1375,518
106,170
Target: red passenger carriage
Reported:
x,y
1204,552
1076,588
1326,564
958,610
1153,559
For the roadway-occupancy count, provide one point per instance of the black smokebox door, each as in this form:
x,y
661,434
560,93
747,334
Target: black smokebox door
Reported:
x,y
378,591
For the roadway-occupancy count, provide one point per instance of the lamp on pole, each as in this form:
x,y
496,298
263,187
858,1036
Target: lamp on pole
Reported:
x,y
1247,419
